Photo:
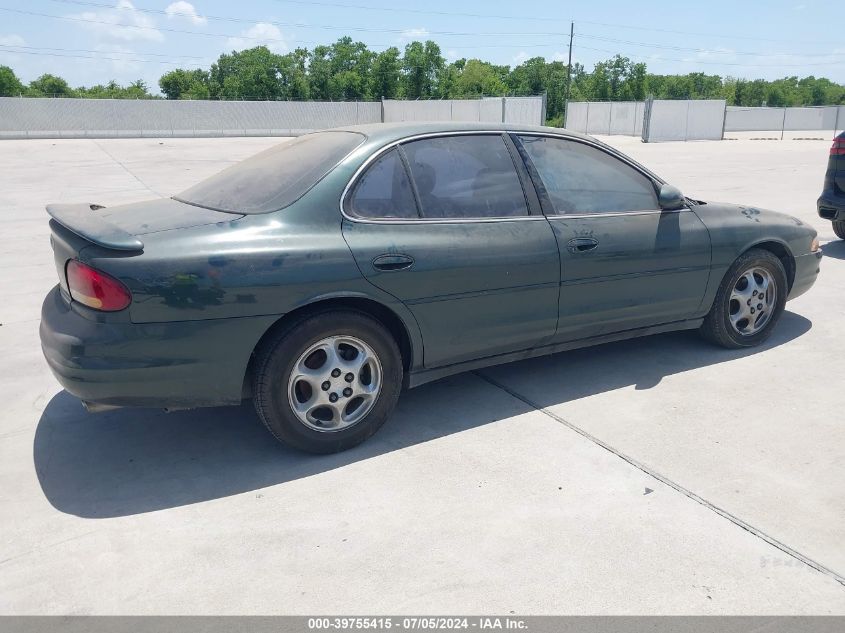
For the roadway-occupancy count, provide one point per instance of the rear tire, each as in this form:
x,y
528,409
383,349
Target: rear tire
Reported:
x,y
328,382
839,228
749,302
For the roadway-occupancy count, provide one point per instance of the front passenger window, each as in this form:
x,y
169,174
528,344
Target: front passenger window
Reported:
x,y
578,178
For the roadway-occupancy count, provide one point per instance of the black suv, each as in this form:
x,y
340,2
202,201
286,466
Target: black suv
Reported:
x,y
832,201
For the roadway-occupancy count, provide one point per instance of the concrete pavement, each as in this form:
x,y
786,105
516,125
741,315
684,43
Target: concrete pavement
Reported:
x,y
653,476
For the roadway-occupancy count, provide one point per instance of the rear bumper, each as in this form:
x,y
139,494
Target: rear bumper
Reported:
x,y
806,273
177,364
831,206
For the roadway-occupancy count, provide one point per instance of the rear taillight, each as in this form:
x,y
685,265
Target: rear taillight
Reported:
x,y
96,289
838,147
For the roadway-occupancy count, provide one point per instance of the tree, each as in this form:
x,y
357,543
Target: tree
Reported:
x,y
10,85
385,74
184,84
253,73
49,86
422,67
477,78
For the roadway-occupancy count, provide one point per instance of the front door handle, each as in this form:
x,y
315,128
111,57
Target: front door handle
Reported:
x,y
389,263
582,244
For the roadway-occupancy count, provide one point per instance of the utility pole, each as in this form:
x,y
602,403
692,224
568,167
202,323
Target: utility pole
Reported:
x,y
569,68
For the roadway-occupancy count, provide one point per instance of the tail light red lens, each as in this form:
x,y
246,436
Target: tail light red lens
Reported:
x,y
838,147
96,289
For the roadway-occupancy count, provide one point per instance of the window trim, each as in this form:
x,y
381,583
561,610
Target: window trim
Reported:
x,y
348,206
545,202
534,214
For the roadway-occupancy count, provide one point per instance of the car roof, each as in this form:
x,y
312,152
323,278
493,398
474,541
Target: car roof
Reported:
x,y
389,132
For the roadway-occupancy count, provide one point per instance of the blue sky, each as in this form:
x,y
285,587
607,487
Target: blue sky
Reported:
x,y
88,41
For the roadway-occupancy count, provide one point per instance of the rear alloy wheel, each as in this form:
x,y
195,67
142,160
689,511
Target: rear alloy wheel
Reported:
x,y
839,228
749,301
329,382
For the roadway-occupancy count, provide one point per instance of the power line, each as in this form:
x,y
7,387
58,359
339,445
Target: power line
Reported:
x,y
704,50
97,57
699,61
362,7
330,27
100,51
402,31
232,35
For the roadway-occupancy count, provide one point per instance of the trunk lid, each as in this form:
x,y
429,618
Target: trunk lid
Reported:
x,y
120,228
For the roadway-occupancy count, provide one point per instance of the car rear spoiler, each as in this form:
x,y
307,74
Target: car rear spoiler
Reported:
x,y
80,219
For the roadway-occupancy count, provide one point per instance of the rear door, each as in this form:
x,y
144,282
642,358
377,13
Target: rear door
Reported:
x,y
451,226
625,263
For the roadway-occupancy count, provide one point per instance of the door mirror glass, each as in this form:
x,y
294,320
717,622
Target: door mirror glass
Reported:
x,y
671,198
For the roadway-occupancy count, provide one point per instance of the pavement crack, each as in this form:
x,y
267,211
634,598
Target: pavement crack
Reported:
x,y
786,549
126,169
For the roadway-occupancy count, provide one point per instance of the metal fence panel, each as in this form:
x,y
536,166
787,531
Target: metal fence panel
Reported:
x,y
685,120
821,118
598,118
623,118
490,110
741,119
576,116
397,111
603,117
524,110
104,118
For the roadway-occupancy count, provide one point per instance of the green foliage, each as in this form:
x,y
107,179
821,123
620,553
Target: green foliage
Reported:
x,y
184,84
49,86
422,68
348,70
10,85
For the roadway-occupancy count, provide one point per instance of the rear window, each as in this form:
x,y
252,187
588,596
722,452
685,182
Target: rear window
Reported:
x,y
276,177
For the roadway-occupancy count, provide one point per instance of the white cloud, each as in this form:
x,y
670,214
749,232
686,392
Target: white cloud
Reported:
x,y
182,9
123,22
520,57
409,35
12,40
260,34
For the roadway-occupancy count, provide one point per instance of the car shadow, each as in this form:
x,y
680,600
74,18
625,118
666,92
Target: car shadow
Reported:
x,y
131,461
835,249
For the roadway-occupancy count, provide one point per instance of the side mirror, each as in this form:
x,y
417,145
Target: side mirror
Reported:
x,y
671,198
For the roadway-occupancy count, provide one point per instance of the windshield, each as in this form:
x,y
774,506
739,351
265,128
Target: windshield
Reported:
x,y
276,177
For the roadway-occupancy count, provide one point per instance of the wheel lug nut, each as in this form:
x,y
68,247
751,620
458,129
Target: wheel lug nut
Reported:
x,y
333,397
752,310
754,294
347,392
759,306
326,386
349,377
335,372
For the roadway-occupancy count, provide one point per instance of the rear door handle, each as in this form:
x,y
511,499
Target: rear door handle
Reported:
x,y
389,263
582,244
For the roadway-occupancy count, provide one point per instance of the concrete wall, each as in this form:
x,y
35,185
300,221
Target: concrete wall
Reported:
x,y
108,118
692,120
742,119
605,117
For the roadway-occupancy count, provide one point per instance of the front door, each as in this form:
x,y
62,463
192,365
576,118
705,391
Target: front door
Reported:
x,y
625,264
456,243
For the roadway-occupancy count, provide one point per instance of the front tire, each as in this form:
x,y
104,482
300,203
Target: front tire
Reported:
x,y
749,302
839,228
329,382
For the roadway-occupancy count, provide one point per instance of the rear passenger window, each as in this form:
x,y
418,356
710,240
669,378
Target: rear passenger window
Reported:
x,y
465,177
581,179
384,191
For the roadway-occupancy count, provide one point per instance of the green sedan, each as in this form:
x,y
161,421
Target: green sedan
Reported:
x,y
324,275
